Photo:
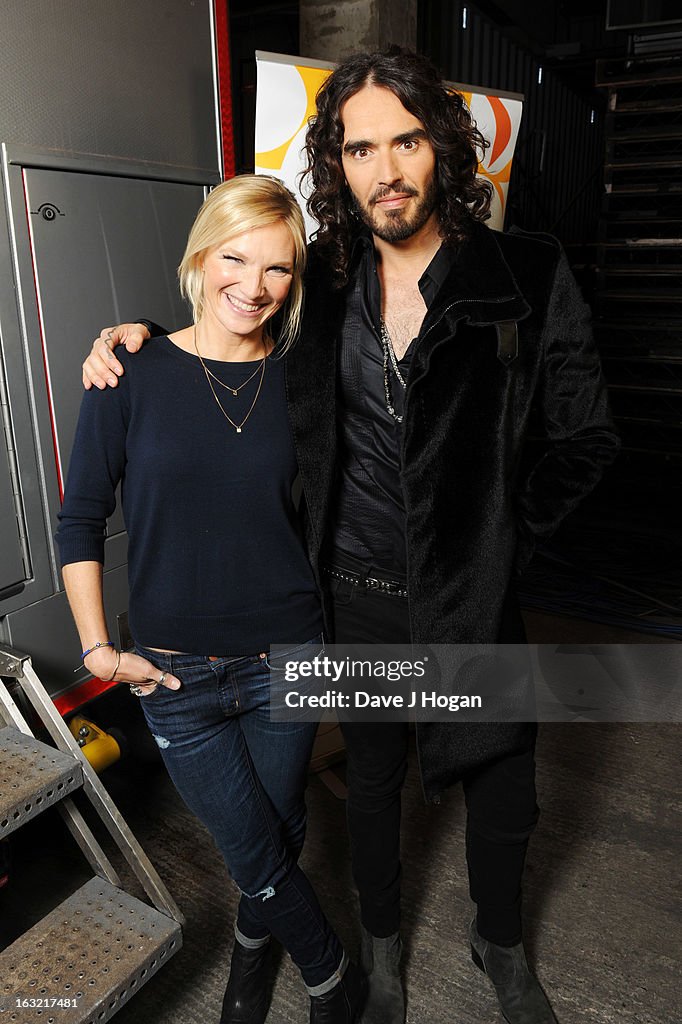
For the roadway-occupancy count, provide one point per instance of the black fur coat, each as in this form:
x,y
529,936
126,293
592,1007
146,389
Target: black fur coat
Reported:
x,y
509,328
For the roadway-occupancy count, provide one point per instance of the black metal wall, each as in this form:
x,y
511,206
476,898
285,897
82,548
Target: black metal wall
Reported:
x,y
557,173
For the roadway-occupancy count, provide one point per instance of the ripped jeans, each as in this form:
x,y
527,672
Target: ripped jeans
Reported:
x,y
244,777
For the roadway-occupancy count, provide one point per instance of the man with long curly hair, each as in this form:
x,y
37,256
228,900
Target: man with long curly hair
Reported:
x,y
444,332
426,338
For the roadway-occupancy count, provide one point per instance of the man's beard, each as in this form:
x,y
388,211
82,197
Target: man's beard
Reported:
x,y
397,225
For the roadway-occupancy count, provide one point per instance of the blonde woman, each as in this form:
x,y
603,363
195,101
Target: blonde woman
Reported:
x,y
198,435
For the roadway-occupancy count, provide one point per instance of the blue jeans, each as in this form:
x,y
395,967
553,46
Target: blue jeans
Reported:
x,y
244,777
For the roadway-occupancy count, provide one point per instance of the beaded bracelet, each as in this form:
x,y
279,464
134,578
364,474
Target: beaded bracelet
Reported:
x,y
100,643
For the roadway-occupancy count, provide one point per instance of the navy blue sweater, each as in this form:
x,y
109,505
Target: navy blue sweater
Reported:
x,y
216,563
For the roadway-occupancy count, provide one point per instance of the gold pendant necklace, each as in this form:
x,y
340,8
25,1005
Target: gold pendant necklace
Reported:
x,y
261,368
234,391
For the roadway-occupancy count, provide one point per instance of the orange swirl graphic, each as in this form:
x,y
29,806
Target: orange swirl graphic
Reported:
x,y
503,127
498,179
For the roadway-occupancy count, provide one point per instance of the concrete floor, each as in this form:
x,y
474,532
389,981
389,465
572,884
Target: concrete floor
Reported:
x,y
602,886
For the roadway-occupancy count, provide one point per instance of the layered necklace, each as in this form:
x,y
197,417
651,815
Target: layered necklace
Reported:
x,y
210,377
389,358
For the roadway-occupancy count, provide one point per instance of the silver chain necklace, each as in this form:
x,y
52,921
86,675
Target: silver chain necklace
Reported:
x,y
389,357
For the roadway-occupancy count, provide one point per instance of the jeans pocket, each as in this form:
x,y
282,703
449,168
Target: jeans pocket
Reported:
x,y
277,660
161,661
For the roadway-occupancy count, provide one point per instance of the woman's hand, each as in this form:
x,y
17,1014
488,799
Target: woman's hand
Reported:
x,y
102,368
131,669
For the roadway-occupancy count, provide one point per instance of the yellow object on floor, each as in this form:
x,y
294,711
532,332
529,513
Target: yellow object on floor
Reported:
x,y
100,749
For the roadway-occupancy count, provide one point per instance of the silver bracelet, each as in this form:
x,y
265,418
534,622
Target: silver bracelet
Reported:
x,y
118,662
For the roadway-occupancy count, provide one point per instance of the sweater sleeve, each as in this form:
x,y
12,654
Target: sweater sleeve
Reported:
x,y
96,467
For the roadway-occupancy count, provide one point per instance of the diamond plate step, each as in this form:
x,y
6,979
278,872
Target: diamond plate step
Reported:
x,y
33,776
85,960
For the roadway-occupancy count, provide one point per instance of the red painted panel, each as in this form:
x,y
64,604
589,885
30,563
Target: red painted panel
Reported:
x,y
79,695
225,85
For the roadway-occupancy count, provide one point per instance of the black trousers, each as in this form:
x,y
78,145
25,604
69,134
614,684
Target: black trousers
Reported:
x,y
500,797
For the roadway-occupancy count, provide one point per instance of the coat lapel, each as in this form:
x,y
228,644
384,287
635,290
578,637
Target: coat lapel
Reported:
x,y
480,289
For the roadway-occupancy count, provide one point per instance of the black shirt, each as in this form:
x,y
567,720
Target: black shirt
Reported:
x,y
368,522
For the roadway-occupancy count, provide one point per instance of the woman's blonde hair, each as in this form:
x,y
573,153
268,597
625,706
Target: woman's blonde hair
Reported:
x,y
243,204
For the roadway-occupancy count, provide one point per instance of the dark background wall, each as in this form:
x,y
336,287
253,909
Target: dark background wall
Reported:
x,y
556,175
255,26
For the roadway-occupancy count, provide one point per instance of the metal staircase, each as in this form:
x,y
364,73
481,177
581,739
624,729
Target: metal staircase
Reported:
x,y
84,960
639,262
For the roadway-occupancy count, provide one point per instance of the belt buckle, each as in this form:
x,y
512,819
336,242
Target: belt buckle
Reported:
x,y
372,583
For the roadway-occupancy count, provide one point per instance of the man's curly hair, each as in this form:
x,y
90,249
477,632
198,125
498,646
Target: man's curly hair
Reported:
x,y
457,142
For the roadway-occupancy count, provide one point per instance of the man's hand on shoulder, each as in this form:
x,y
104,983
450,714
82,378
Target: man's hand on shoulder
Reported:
x,y
102,368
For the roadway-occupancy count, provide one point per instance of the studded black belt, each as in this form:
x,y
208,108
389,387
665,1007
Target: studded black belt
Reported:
x,y
388,587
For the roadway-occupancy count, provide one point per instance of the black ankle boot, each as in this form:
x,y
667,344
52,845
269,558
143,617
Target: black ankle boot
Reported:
x,y
521,999
343,1004
246,996
380,960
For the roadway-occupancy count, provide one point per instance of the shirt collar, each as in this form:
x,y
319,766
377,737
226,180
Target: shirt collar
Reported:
x,y
431,281
434,276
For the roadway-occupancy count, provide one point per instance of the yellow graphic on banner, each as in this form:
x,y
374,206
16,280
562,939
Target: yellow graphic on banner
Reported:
x,y
312,80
